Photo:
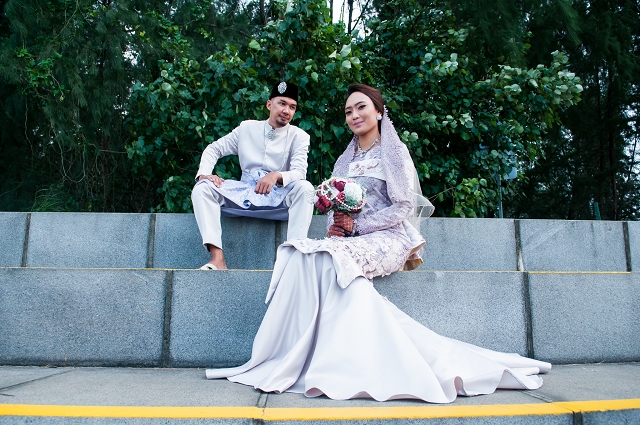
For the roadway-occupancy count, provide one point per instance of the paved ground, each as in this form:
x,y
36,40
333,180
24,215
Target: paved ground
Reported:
x,y
61,395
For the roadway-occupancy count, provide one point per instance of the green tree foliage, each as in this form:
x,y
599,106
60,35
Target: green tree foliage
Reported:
x,y
593,157
462,130
66,72
192,103
109,103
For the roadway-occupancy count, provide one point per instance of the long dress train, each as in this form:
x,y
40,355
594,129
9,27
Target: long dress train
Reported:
x,y
318,338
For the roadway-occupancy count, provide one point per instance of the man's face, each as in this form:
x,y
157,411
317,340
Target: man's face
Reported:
x,y
281,110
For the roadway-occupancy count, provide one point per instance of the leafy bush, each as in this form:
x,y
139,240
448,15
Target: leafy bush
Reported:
x,y
462,130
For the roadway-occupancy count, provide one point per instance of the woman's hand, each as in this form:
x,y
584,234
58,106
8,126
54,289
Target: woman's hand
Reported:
x,y
337,231
342,224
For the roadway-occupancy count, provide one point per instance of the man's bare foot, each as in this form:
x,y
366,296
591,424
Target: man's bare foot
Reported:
x,y
217,257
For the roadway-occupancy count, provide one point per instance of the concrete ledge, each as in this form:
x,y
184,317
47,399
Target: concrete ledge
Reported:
x,y
122,317
318,228
178,244
101,240
97,240
580,318
13,227
215,316
469,244
555,245
485,309
81,317
249,243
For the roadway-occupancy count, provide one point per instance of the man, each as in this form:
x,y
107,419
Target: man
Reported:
x,y
273,159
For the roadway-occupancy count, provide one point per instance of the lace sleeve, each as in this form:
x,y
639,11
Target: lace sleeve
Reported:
x,y
384,218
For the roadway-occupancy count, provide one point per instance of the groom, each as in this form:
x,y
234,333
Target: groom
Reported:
x,y
273,159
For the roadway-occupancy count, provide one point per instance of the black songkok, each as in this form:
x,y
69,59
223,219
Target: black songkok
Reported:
x,y
283,89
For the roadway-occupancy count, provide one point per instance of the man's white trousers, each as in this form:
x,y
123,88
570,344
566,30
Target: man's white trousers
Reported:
x,y
207,202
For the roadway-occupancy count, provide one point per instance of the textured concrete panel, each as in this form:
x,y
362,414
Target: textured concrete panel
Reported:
x,y
81,317
556,245
91,240
591,382
631,416
16,375
13,227
297,400
132,387
178,243
248,243
580,317
318,228
482,308
215,316
634,244
469,244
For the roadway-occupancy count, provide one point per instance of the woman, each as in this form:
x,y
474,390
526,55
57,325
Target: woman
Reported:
x,y
328,331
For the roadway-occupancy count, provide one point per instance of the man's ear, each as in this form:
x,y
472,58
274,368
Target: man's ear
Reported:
x,y
269,104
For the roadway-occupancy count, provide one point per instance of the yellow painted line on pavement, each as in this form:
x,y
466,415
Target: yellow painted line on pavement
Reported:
x,y
600,405
323,413
175,412
575,272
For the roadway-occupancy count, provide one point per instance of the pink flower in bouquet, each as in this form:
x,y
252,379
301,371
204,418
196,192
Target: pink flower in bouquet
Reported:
x,y
339,184
323,204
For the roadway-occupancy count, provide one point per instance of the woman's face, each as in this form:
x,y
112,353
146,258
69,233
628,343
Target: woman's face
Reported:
x,y
361,115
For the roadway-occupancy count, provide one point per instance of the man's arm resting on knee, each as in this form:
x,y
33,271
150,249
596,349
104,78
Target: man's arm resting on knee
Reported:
x,y
212,178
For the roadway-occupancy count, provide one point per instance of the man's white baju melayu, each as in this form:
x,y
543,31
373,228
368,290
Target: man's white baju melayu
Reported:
x,y
285,151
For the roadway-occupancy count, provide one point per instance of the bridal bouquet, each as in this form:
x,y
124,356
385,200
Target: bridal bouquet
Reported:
x,y
340,194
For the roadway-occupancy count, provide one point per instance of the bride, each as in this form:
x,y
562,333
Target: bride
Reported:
x,y
328,331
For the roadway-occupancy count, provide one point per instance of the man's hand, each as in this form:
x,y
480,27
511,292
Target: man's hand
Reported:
x,y
212,178
266,183
342,224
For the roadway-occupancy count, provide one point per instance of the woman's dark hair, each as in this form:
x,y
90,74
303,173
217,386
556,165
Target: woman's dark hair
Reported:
x,y
371,93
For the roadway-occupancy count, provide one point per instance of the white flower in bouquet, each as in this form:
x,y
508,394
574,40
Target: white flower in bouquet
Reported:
x,y
352,193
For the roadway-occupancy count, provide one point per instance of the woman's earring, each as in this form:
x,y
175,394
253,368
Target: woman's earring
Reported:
x,y
379,117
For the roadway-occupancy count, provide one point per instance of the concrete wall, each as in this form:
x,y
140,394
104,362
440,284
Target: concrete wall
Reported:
x,y
191,318
81,317
110,289
95,240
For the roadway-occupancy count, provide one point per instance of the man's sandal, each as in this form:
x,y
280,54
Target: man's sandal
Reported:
x,y
208,266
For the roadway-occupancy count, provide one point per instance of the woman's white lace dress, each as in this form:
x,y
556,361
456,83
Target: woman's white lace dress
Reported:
x,y
328,331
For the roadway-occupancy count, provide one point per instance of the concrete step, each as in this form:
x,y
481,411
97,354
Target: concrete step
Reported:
x,y
574,394
193,318
101,240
